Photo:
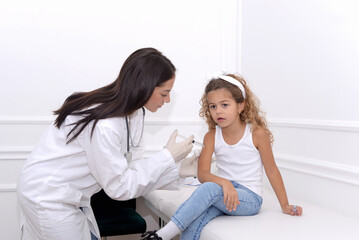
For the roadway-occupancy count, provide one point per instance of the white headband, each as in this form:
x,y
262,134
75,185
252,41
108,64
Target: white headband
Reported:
x,y
234,82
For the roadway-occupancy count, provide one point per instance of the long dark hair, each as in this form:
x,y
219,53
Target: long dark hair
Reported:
x,y
142,71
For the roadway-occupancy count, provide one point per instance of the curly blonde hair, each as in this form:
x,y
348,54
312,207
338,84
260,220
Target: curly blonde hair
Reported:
x,y
251,113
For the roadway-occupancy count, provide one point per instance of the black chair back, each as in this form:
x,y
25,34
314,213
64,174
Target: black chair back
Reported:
x,y
116,217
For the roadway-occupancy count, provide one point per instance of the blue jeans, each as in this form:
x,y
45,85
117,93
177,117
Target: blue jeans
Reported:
x,y
206,203
93,237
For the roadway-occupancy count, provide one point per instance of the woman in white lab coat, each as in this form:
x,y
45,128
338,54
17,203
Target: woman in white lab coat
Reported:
x,y
95,143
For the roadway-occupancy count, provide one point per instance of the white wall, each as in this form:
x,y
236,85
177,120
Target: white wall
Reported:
x,y
302,60
50,49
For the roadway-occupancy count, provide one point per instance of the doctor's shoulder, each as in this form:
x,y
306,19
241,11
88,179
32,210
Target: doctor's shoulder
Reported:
x,y
119,123
114,124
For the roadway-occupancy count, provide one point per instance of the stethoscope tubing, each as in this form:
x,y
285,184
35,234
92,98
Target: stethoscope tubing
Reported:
x,y
128,130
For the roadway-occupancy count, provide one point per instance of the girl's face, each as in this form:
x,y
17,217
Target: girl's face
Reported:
x,y
223,108
160,96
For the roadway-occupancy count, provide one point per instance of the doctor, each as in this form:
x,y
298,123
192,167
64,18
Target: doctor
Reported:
x,y
95,143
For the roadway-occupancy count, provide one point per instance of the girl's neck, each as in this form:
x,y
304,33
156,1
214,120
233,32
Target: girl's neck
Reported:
x,y
234,132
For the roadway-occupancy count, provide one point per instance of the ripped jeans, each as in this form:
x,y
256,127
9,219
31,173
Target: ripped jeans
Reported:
x,y
206,203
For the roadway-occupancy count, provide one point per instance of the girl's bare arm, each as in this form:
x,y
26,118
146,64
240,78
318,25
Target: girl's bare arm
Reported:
x,y
262,142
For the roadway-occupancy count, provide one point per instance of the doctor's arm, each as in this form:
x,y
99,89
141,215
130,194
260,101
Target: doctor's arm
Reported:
x,y
119,179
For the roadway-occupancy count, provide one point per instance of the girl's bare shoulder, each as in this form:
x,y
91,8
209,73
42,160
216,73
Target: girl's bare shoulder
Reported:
x,y
260,135
211,133
208,139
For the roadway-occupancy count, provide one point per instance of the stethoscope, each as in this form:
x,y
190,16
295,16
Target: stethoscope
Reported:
x,y
128,154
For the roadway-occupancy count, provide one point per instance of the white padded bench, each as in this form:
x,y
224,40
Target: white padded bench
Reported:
x,y
315,223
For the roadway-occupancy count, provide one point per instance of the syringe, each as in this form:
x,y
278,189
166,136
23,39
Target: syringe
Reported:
x,y
193,141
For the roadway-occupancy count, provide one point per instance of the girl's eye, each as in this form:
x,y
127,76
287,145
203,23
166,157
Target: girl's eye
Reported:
x,y
164,95
224,104
212,107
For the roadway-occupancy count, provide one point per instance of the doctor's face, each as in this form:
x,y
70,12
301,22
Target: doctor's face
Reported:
x,y
160,96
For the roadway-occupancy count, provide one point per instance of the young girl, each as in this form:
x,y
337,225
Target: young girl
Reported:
x,y
239,137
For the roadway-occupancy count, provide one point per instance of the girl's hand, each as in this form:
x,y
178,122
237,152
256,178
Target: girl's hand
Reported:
x,y
230,196
293,210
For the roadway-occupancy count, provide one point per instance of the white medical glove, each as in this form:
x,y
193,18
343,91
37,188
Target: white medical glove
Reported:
x,y
181,149
189,165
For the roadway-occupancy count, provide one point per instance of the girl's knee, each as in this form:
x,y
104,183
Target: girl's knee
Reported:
x,y
254,211
258,209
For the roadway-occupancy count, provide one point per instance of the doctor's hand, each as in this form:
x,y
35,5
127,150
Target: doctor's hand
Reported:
x,y
181,149
189,165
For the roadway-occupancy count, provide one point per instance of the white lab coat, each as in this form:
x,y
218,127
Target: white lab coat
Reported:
x,y
58,178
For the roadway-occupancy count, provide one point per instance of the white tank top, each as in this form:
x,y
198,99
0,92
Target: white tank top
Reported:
x,y
240,162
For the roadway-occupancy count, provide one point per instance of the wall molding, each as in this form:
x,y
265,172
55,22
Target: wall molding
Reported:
x,y
329,125
174,121
332,171
315,167
15,152
34,120
7,187
26,120
22,153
